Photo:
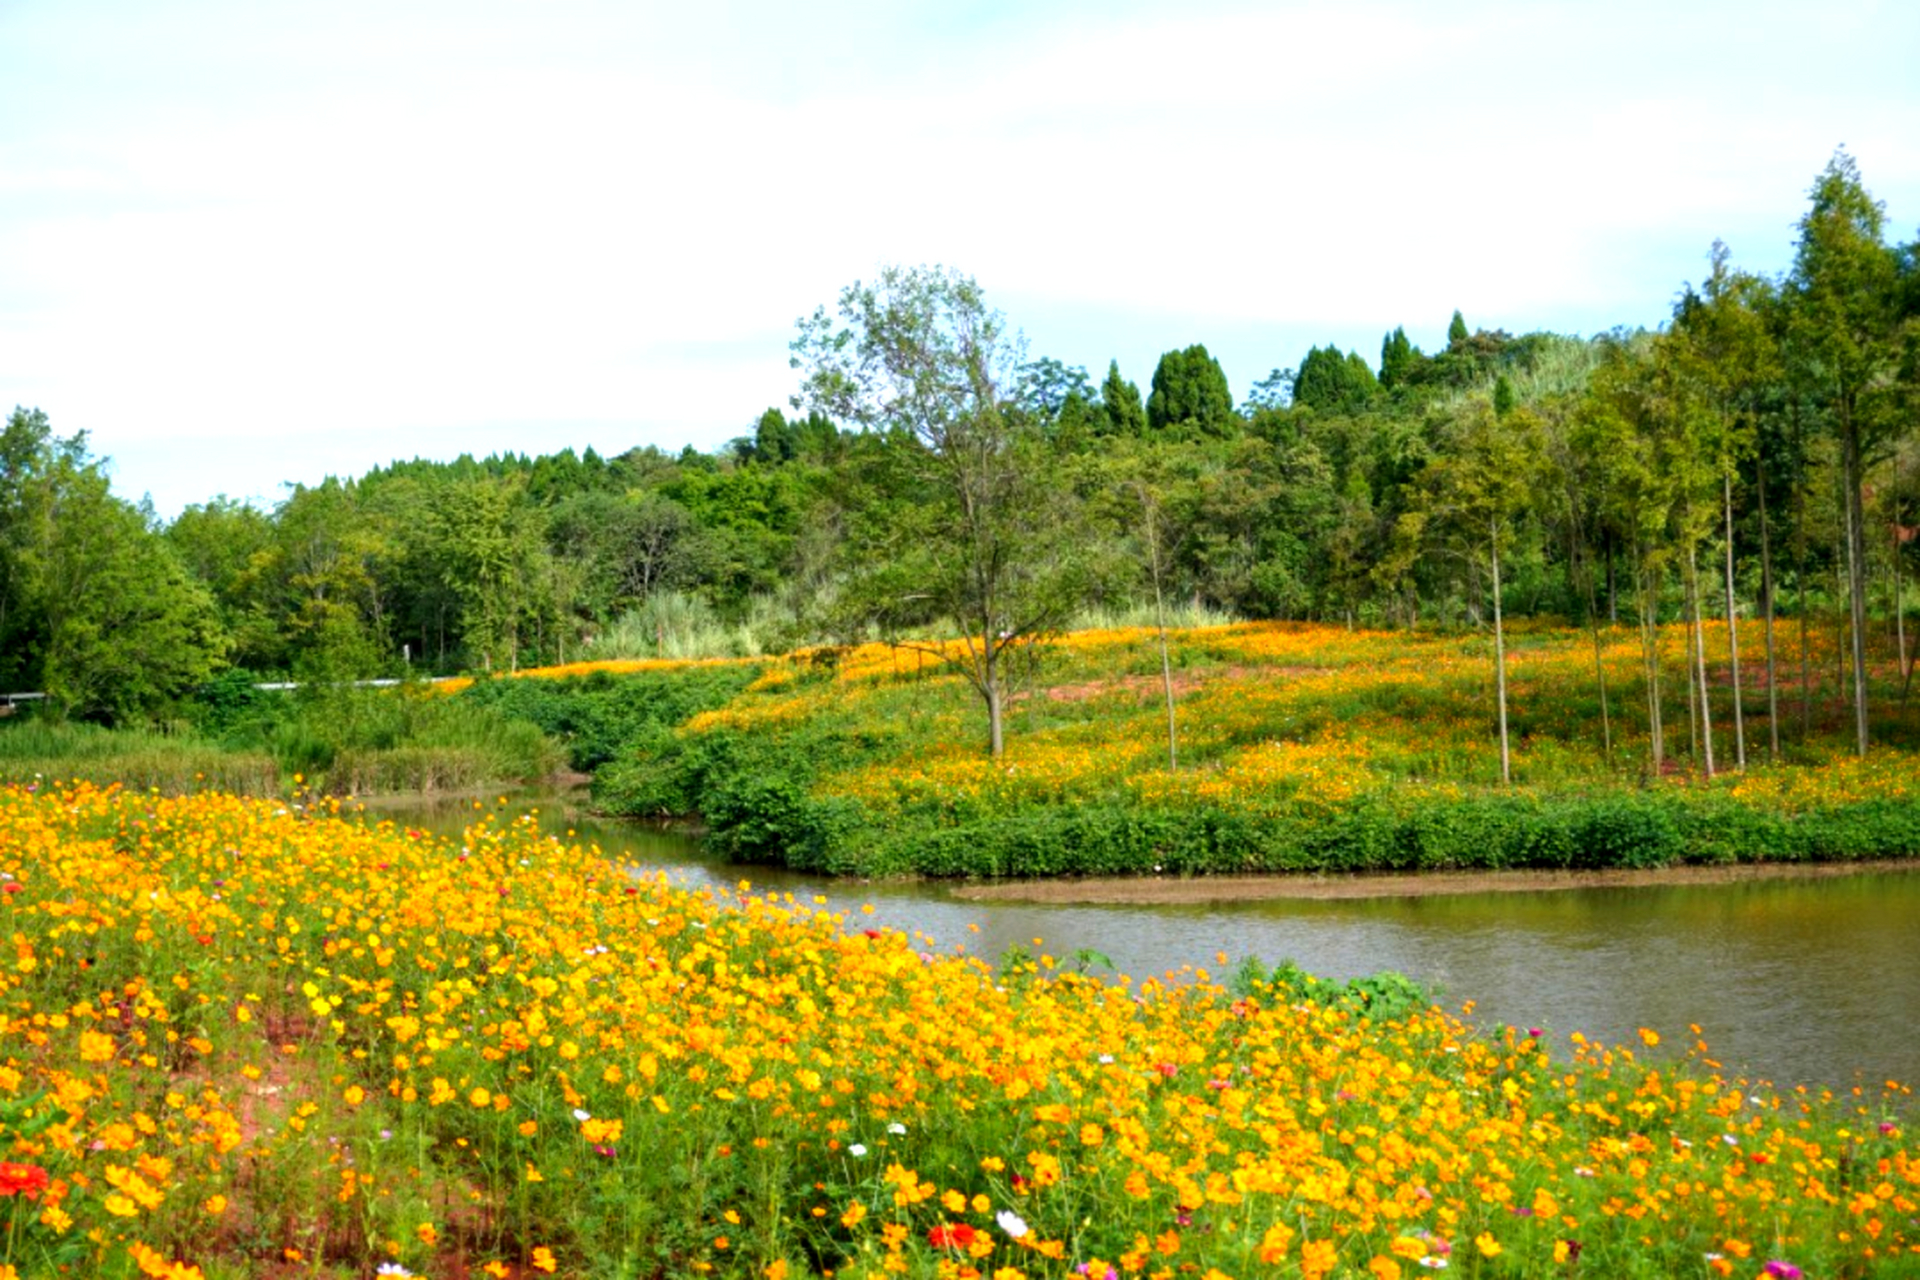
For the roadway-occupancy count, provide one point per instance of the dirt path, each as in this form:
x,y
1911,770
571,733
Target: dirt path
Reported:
x,y
1150,890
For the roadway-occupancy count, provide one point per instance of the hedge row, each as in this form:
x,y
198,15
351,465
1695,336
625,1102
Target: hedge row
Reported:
x,y
772,820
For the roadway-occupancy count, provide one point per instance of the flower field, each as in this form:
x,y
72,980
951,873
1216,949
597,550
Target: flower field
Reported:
x,y
250,1038
1300,748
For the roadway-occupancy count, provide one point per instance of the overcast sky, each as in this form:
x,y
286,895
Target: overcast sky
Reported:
x,y
246,243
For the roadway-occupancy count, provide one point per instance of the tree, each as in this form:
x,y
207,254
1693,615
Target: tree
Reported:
x,y
1457,330
224,544
489,544
628,546
1045,385
1722,345
328,573
1334,383
127,630
983,539
773,438
1271,394
31,457
1843,325
1399,358
1614,433
1190,397
95,609
1060,397
1120,404
1478,486
1134,484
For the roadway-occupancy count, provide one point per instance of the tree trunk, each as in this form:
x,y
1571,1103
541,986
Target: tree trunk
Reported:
x,y
1857,576
1585,563
1700,661
1899,620
1613,595
1693,684
1900,535
1500,659
1766,589
996,711
1166,663
1650,656
1800,581
1733,631
1841,608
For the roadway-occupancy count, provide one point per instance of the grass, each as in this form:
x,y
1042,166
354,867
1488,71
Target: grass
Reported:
x,y
246,1038
33,750
342,741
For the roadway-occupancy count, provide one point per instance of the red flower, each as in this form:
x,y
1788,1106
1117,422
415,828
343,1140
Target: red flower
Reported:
x,y
22,1179
13,886
957,1236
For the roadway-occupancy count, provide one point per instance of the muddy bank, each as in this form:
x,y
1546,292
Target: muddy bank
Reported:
x,y
1156,889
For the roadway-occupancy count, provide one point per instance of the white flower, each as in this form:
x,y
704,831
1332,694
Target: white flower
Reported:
x,y
392,1269
582,1116
857,1149
1434,1264
896,1127
1011,1223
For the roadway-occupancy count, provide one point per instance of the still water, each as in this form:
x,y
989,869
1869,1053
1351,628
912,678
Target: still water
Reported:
x,y
1792,981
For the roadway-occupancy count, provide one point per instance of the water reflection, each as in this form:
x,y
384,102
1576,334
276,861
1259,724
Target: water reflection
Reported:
x,y
1796,981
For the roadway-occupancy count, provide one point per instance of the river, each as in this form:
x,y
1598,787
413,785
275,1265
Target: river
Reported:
x,y
1792,981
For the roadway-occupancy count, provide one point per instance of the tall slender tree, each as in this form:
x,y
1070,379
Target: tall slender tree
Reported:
x,y
1843,325
1479,486
1722,347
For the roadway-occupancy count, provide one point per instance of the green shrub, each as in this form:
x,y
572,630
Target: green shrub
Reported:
x,y
602,717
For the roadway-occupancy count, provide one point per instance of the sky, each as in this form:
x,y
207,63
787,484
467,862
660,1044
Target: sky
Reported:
x,y
247,245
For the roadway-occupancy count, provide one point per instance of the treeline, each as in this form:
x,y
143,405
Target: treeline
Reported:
x,y
1756,455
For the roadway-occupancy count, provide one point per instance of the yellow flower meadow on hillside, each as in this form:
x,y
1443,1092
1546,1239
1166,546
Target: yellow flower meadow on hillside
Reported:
x,y
243,1038
1274,718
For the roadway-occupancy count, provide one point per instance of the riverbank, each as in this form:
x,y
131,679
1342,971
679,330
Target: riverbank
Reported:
x,y
1161,890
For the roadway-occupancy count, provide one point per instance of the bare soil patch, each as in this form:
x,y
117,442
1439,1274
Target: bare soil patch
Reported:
x,y
1154,890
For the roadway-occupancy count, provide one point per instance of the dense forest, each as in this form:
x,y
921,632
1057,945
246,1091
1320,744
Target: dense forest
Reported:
x,y
1756,455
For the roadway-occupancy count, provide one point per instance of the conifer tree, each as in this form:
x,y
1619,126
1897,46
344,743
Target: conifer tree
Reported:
x,y
1120,403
